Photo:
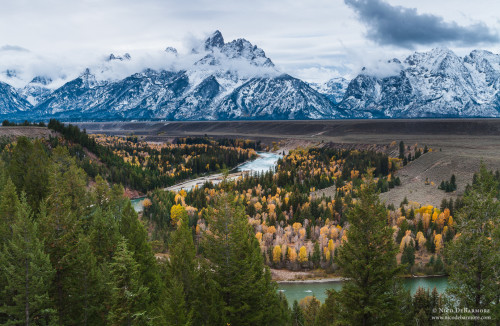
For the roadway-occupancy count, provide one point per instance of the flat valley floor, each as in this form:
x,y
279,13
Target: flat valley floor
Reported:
x,y
458,145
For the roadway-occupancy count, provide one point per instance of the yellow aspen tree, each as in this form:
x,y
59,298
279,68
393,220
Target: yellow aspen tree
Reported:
x,y
292,254
450,221
258,206
326,251
302,254
147,203
331,245
296,226
440,221
277,254
434,216
426,220
420,239
405,240
177,212
438,241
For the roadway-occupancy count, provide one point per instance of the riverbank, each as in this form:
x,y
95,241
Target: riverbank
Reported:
x,y
283,276
313,276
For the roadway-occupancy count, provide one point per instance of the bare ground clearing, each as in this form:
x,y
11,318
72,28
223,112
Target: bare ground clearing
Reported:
x,y
27,131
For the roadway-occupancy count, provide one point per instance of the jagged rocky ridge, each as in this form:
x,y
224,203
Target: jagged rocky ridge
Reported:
x,y
233,80
236,80
432,84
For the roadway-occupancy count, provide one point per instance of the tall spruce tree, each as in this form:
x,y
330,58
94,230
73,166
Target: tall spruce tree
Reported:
x,y
180,277
236,264
27,273
129,298
9,204
368,261
137,242
473,257
87,287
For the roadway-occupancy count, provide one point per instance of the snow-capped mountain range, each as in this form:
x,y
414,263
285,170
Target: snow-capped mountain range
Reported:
x,y
432,84
236,80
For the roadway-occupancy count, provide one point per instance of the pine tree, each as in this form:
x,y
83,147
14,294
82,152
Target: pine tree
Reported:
x,y
87,287
137,242
36,175
311,311
408,256
368,261
233,252
129,298
27,272
9,204
401,149
329,311
18,162
473,257
316,257
180,277
297,315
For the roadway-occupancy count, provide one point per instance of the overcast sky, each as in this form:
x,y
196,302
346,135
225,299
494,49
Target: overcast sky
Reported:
x,y
311,39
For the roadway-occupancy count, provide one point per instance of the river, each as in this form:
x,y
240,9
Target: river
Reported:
x,y
262,163
300,290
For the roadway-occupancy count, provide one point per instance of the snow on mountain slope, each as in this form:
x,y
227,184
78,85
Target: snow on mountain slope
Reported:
x,y
437,83
282,97
334,88
219,72
236,80
12,103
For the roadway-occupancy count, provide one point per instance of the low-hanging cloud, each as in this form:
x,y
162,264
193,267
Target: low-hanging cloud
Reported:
x,y
14,48
405,27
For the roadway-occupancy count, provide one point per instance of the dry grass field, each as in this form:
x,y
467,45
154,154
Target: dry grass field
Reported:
x,y
30,132
458,145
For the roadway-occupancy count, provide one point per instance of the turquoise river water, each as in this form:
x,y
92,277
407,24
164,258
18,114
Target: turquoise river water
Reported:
x,y
299,290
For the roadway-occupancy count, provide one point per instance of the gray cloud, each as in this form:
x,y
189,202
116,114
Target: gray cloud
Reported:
x,y
405,27
14,48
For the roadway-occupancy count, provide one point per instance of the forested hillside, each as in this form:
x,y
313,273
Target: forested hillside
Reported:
x,y
74,252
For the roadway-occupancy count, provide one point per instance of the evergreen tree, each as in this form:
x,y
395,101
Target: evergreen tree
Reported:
x,y
180,277
233,252
18,162
27,273
129,298
368,261
60,217
311,312
297,315
36,175
137,241
473,257
316,257
401,150
408,256
9,204
87,288
329,311
453,184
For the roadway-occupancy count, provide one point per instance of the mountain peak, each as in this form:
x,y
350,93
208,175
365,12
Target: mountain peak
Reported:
x,y
214,41
112,57
170,49
42,80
